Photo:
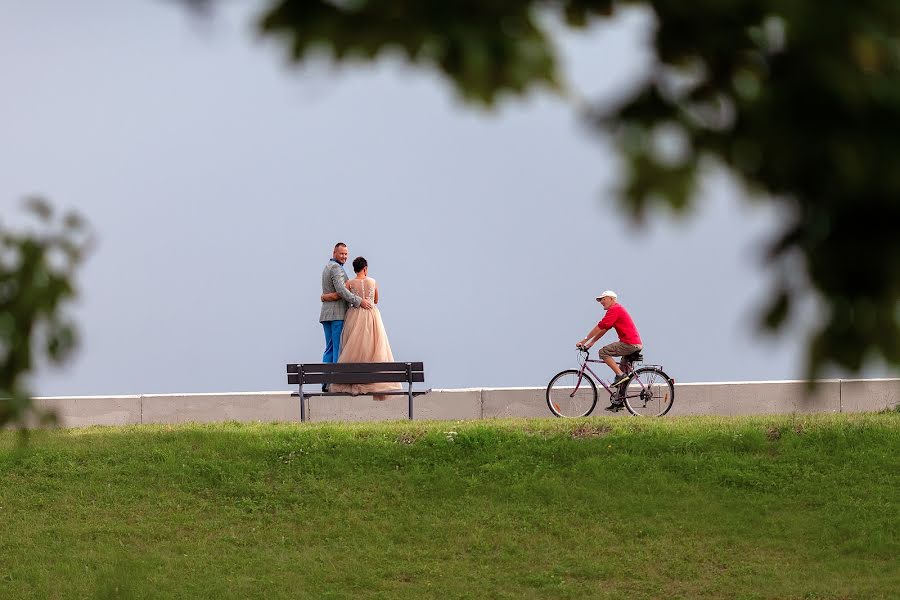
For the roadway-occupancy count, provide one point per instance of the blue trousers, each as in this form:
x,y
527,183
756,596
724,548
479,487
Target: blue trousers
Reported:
x,y
333,330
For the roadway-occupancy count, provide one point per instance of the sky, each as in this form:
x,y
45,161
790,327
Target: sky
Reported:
x,y
217,180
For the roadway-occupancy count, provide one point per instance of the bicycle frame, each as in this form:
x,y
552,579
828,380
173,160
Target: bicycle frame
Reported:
x,y
626,365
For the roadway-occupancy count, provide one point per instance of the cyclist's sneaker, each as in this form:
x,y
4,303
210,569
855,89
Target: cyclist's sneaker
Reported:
x,y
615,406
619,380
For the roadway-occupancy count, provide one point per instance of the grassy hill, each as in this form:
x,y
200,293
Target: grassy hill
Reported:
x,y
776,507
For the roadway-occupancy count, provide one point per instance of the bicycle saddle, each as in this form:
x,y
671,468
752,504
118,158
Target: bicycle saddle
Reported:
x,y
635,356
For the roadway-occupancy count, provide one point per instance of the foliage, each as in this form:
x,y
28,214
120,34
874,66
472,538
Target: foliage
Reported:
x,y
800,99
775,507
36,274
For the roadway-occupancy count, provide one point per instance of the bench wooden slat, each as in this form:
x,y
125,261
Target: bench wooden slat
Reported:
x,y
394,393
312,378
354,367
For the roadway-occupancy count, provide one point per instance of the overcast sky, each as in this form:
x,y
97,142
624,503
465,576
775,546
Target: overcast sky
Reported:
x,y
217,181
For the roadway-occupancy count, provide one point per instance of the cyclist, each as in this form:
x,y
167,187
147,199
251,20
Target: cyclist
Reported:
x,y
629,339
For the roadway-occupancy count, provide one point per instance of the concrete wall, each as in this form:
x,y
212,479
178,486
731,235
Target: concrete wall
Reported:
x,y
756,398
206,408
81,411
746,398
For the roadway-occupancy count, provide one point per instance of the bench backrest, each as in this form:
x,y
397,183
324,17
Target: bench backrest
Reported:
x,y
300,374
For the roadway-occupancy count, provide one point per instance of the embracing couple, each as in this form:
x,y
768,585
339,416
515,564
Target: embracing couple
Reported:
x,y
354,332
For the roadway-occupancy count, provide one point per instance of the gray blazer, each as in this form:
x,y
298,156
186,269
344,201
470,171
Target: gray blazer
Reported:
x,y
333,279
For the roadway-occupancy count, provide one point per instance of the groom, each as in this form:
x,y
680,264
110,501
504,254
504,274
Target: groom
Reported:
x,y
332,314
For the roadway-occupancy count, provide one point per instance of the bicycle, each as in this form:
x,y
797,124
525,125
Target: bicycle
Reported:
x,y
648,391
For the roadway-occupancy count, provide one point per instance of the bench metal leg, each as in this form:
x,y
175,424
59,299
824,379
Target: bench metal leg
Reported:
x,y
302,398
409,385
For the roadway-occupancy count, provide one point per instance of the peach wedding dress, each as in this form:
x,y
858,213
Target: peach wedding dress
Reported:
x,y
364,340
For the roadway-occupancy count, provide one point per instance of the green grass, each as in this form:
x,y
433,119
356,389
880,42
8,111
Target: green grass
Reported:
x,y
777,507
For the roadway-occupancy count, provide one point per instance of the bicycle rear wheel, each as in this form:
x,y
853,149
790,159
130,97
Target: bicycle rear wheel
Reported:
x,y
571,393
649,392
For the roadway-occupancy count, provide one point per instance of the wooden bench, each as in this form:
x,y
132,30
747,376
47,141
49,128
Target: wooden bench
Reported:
x,y
327,373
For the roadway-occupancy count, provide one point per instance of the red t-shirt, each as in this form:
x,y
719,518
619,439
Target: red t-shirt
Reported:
x,y
618,318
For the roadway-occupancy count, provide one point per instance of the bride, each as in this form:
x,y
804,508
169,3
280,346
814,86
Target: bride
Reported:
x,y
364,339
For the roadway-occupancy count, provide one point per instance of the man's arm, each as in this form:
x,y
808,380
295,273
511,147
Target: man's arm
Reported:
x,y
595,334
334,296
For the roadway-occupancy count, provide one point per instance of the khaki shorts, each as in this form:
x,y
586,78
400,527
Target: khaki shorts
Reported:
x,y
619,349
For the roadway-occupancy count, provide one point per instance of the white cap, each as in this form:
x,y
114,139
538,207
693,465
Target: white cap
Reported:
x,y
609,293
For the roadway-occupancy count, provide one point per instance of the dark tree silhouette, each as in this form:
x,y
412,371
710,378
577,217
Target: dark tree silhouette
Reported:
x,y
37,270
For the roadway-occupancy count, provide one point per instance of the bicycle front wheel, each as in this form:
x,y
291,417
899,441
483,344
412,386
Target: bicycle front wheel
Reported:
x,y
649,392
571,394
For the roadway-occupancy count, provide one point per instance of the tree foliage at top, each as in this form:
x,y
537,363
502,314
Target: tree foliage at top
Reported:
x,y
800,99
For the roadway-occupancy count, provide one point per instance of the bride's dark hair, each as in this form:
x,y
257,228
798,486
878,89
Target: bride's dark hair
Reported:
x,y
359,263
